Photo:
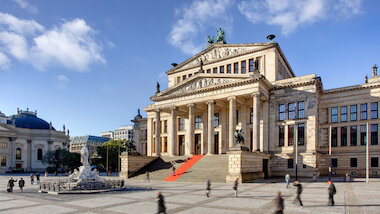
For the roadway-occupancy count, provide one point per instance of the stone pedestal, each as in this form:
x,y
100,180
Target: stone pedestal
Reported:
x,y
132,163
245,165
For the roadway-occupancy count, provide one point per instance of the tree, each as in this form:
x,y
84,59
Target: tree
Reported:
x,y
61,158
113,148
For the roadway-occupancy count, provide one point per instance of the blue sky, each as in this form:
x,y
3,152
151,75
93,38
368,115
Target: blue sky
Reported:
x,y
91,64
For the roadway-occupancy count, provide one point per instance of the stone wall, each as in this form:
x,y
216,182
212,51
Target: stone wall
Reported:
x,y
246,166
131,163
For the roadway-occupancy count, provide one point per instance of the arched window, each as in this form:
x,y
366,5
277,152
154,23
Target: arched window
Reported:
x,y
39,154
18,153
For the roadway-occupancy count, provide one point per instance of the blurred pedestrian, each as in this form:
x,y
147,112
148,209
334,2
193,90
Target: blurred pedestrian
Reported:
x,y
314,177
332,192
208,188
21,184
31,178
11,184
38,177
299,192
46,174
279,201
287,180
56,173
147,177
173,170
235,187
161,203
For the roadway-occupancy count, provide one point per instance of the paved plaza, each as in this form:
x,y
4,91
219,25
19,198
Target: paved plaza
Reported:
x,y
354,197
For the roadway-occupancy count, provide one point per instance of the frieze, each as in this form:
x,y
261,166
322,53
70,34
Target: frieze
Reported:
x,y
199,84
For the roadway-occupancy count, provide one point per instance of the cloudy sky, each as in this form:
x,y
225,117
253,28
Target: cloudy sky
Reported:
x,y
91,64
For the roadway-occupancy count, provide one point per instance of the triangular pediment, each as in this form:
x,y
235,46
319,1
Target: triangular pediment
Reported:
x,y
217,52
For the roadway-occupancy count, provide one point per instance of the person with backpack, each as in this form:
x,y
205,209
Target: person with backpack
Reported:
x,y
332,192
299,192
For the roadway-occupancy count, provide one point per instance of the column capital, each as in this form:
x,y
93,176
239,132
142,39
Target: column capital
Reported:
x,y
255,94
12,138
29,141
231,98
173,108
157,110
210,102
190,105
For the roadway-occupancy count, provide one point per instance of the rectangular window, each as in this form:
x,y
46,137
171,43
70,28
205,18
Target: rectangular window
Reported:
x,y
184,77
198,122
237,117
334,137
343,136
181,124
216,119
243,67
343,114
292,111
353,162
209,71
257,64
215,70
165,126
291,135
363,134
165,144
374,112
374,134
4,161
251,116
236,68
363,111
353,113
301,109
281,112
301,134
221,69
190,75
334,162
290,164
375,162
229,68
251,65
334,115
354,136
178,80
281,136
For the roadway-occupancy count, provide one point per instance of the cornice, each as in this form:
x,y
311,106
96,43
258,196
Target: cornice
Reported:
x,y
352,88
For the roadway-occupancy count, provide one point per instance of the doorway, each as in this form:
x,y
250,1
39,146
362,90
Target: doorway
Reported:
x,y
197,144
216,142
181,144
250,140
265,168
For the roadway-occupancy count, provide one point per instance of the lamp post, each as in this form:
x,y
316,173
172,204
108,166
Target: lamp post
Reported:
x,y
296,148
330,153
118,159
107,161
367,155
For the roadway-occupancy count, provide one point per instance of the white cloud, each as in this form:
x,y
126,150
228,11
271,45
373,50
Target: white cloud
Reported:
x,y
71,44
5,62
62,81
24,4
195,19
290,14
63,78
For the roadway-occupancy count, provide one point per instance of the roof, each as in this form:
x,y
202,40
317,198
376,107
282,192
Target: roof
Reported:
x,y
29,120
89,139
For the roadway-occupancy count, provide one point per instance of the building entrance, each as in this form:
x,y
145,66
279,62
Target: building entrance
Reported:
x,y
216,142
181,144
197,144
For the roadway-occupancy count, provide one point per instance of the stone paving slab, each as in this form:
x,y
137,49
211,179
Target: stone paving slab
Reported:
x,y
16,204
244,203
141,207
43,209
99,202
199,210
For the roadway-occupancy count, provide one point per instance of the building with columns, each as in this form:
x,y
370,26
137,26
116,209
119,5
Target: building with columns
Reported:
x,y
25,139
252,87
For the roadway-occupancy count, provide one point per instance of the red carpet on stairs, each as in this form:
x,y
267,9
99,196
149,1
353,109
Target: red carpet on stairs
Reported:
x,y
183,168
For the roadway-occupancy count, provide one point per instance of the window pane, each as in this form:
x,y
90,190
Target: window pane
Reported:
x,y
334,137
216,119
251,65
374,111
334,115
290,163
343,113
229,68
353,162
209,71
334,162
374,134
251,116
281,136
374,162
363,134
236,68
281,112
243,67
363,111
301,109
353,113
215,70
291,135
301,134
343,136
221,69
291,109
353,135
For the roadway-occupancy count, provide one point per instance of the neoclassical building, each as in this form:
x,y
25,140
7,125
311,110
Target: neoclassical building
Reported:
x,y
25,139
252,87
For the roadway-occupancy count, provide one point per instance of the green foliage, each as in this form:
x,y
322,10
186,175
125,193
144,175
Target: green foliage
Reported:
x,y
63,159
113,148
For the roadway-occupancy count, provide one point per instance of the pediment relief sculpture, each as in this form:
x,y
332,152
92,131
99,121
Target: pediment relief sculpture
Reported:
x,y
199,84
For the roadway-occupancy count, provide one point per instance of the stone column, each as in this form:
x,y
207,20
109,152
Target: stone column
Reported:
x,y
157,134
173,130
190,131
12,152
29,155
231,121
210,125
50,145
256,123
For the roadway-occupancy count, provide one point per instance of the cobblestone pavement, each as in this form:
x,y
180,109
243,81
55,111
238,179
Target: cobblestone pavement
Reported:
x,y
354,197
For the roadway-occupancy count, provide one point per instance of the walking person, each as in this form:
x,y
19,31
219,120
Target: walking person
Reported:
x,y
287,180
279,201
11,184
21,184
31,178
38,177
332,192
208,188
161,203
299,191
147,177
173,170
235,187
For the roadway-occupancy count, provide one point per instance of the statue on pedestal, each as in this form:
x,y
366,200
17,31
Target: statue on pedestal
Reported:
x,y
239,137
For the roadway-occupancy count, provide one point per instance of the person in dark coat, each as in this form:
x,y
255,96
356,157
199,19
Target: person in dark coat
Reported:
x,y
161,203
332,192
299,191
38,177
31,178
279,201
208,188
21,184
173,170
11,184
147,177
235,187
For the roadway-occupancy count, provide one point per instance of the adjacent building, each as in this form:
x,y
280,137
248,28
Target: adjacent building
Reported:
x,y
25,139
91,142
252,87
